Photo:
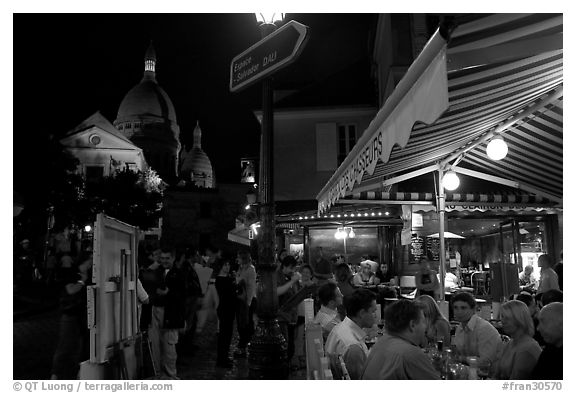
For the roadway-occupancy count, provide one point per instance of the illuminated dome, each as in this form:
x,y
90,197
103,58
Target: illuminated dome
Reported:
x,y
146,100
147,117
196,166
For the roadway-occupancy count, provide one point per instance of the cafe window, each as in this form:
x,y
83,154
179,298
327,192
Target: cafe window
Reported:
x,y
346,140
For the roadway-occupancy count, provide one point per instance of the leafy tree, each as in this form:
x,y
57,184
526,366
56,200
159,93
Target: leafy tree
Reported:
x,y
45,177
132,197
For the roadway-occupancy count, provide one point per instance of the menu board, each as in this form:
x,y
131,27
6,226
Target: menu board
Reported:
x,y
416,249
433,248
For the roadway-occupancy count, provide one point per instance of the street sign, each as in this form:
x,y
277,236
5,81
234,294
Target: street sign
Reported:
x,y
268,55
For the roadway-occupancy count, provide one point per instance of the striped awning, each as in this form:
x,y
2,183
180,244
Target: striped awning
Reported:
x,y
503,70
449,197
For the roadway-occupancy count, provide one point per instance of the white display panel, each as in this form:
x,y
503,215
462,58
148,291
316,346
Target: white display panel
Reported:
x,y
112,301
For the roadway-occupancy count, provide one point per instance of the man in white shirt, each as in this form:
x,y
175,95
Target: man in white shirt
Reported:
x,y
347,338
474,336
397,354
548,277
330,298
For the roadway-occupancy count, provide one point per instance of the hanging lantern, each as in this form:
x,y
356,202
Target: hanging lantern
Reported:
x,y
497,148
450,181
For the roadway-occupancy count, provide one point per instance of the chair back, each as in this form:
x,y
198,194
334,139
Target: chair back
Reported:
x,y
408,282
479,283
408,287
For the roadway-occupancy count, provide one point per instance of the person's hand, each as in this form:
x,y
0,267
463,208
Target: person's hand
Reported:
x,y
154,265
296,277
162,292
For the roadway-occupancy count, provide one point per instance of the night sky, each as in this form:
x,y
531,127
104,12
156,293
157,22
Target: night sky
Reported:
x,y
68,66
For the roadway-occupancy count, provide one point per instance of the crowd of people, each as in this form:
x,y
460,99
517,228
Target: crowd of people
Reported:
x,y
179,290
526,344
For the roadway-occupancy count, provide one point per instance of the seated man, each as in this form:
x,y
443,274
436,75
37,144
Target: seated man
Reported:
x,y
397,354
347,338
550,362
451,281
474,336
330,298
527,280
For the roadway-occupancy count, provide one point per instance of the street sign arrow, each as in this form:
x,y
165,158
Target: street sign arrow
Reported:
x,y
268,55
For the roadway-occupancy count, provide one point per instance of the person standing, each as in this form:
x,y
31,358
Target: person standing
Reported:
x,y
168,314
427,280
226,308
245,302
149,278
287,286
193,292
73,336
559,269
307,281
347,339
397,354
25,267
548,277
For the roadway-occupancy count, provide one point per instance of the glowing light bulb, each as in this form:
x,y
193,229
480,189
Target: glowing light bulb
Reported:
x,y
497,148
450,181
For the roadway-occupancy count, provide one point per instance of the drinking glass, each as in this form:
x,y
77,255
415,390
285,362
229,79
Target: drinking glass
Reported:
x,y
484,368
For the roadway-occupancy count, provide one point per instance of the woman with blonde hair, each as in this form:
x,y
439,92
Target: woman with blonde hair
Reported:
x,y
438,326
521,353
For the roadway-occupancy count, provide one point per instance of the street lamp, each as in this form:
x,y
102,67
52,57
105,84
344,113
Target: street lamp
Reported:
x,y
269,17
268,350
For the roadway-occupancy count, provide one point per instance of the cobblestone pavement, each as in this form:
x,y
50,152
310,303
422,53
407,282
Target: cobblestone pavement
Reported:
x,y
35,339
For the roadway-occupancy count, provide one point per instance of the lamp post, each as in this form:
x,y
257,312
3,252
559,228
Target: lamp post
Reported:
x,y
267,351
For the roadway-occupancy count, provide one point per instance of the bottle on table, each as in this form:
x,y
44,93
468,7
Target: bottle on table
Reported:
x,y
437,356
447,363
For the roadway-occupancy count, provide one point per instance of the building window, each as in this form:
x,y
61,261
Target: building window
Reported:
x,y
128,125
94,173
346,140
94,139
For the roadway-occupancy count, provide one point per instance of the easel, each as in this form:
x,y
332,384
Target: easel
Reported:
x,y
117,348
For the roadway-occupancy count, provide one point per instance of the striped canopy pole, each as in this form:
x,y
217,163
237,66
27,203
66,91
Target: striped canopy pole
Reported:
x,y
440,206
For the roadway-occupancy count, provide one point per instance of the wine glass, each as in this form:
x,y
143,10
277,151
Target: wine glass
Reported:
x,y
380,325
